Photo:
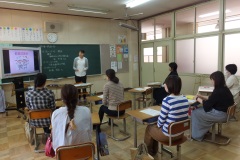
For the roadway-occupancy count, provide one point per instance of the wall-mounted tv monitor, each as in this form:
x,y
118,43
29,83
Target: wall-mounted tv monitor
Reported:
x,y
20,61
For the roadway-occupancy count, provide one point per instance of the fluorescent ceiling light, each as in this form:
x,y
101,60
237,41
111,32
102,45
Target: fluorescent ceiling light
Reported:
x,y
28,3
212,14
134,3
90,10
232,18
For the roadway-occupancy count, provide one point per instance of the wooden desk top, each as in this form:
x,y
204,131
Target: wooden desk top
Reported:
x,y
138,90
95,118
54,86
93,98
154,84
142,116
59,103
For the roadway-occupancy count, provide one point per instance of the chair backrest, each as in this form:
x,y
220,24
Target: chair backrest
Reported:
x,y
148,91
178,127
84,151
40,114
124,105
231,111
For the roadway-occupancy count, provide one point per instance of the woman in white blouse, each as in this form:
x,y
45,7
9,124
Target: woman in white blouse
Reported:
x,y
232,81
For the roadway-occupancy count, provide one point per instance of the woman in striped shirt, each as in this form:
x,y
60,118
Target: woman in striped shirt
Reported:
x,y
174,108
113,94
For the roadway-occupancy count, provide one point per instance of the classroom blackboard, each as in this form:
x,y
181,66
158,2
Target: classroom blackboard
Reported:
x,y
57,59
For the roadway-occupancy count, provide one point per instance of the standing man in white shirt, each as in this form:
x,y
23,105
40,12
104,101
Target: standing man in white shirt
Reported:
x,y
80,65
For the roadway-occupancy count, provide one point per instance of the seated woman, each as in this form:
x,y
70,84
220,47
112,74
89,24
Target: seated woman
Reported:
x,y
232,81
40,98
214,107
71,124
174,108
160,93
113,94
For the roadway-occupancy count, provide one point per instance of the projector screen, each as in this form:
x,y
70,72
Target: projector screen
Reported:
x,y
18,62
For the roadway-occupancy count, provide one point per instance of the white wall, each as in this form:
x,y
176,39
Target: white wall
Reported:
x,y
77,30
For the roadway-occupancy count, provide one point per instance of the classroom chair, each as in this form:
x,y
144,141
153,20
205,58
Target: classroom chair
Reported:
x,y
174,128
38,114
84,151
122,106
219,138
146,96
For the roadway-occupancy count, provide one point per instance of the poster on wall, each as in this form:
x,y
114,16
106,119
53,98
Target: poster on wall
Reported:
x,y
125,51
112,51
114,65
20,34
10,33
122,39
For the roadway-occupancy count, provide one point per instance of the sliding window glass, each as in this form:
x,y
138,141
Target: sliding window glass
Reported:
x,y
163,26
207,17
147,30
185,22
148,55
185,55
232,14
232,50
206,55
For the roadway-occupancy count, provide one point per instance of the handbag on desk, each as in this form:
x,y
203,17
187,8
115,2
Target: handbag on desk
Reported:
x,y
140,153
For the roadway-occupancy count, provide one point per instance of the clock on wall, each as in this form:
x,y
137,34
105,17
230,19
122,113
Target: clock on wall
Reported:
x,y
52,37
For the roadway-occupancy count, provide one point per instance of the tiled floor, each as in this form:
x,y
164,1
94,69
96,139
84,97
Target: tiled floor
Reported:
x,y
14,145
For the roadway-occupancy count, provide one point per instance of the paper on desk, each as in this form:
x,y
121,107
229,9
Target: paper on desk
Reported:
x,y
191,101
101,96
139,89
82,84
151,112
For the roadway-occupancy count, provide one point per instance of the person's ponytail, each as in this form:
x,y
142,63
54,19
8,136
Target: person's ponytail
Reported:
x,y
111,75
69,96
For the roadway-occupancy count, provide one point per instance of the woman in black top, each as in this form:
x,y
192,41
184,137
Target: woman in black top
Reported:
x,y
214,107
159,93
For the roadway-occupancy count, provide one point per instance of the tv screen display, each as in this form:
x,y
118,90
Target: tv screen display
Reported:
x,y
17,62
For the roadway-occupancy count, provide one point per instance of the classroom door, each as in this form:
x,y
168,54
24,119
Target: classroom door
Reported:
x,y
147,68
161,60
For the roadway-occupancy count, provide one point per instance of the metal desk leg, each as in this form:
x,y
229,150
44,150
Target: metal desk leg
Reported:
x,y
152,97
135,133
134,101
97,142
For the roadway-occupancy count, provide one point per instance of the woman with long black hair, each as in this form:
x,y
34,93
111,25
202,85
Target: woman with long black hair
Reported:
x,y
71,124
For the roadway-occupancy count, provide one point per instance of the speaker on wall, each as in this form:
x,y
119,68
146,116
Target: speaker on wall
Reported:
x,y
52,27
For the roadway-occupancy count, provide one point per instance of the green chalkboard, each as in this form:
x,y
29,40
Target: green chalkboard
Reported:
x,y
57,59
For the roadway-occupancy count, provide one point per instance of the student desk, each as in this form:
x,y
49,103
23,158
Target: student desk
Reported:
x,y
139,116
154,85
205,89
135,91
92,99
55,87
84,86
96,122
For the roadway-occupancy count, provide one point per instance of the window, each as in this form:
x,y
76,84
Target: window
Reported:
x,y
184,22
185,55
147,30
206,55
207,17
148,55
162,54
232,18
232,48
163,26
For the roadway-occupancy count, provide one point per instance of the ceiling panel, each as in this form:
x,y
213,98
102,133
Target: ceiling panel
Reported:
x,y
116,7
